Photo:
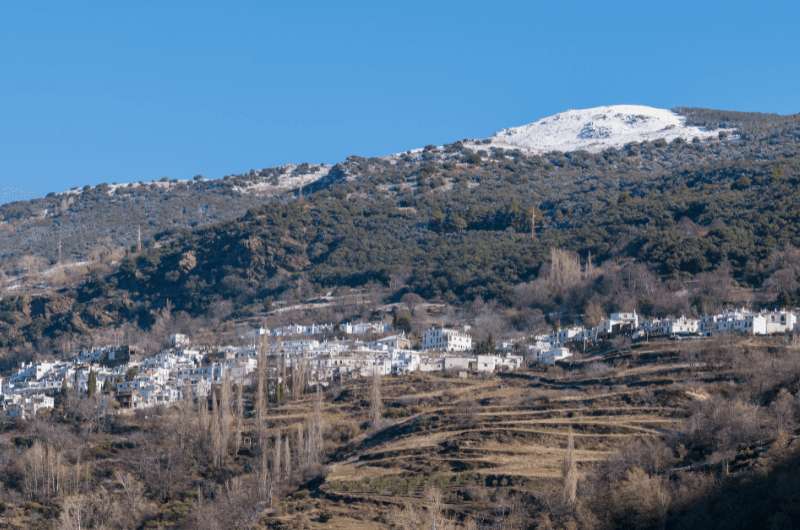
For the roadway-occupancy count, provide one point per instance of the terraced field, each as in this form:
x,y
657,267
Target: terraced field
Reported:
x,y
479,440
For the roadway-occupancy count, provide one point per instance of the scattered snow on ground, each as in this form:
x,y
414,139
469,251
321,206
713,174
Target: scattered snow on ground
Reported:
x,y
289,178
595,130
111,189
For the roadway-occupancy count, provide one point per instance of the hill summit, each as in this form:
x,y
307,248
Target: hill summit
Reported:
x,y
596,129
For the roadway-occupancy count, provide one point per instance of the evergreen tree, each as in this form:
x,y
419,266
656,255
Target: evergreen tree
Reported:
x,y
91,385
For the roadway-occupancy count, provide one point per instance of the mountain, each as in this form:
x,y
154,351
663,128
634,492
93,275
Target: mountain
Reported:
x,y
84,223
668,225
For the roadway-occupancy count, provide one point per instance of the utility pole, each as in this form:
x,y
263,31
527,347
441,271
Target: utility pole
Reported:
x,y
139,239
59,250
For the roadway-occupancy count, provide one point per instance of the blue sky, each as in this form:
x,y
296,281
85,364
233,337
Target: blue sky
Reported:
x,y
92,92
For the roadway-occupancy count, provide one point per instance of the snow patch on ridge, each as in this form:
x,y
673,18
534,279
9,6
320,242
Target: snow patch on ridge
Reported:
x,y
288,177
595,129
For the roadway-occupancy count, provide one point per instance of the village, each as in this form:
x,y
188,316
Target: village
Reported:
x,y
315,355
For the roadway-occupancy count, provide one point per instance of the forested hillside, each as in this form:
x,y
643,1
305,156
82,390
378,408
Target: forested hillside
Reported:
x,y
94,221
664,227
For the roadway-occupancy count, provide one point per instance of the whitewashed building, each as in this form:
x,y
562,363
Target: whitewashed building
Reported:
x,y
569,334
431,363
780,321
618,320
550,356
404,362
458,363
511,362
26,407
392,342
364,328
446,339
739,321
488,363
670,327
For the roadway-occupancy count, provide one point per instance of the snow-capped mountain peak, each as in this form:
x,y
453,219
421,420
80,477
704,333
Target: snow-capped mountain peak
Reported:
x,y
596,129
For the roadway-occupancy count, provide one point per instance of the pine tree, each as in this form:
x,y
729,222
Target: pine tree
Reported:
x,y
91,386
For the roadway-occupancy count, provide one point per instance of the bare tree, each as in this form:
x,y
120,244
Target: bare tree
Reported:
x,y
132,494
217,443
412,300
30,264
226,418
302,454
46,473
237,443
280,392
203,424
564,270
299,377
593,313
276,463
375,400
783,408
437,516
408,518
287,459
314,441
264,483
261,384
569,473
432,517
184,429
71,517
640,500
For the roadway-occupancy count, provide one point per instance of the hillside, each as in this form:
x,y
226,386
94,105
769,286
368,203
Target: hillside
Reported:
x,y
660,436
669,225
94,220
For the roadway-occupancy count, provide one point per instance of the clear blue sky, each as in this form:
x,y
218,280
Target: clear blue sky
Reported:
x,y
92,92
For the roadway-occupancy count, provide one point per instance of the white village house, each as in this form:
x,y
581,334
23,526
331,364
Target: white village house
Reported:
x,y
446,339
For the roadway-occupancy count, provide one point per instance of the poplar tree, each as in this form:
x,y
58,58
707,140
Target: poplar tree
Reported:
x,y
569,473
375,400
